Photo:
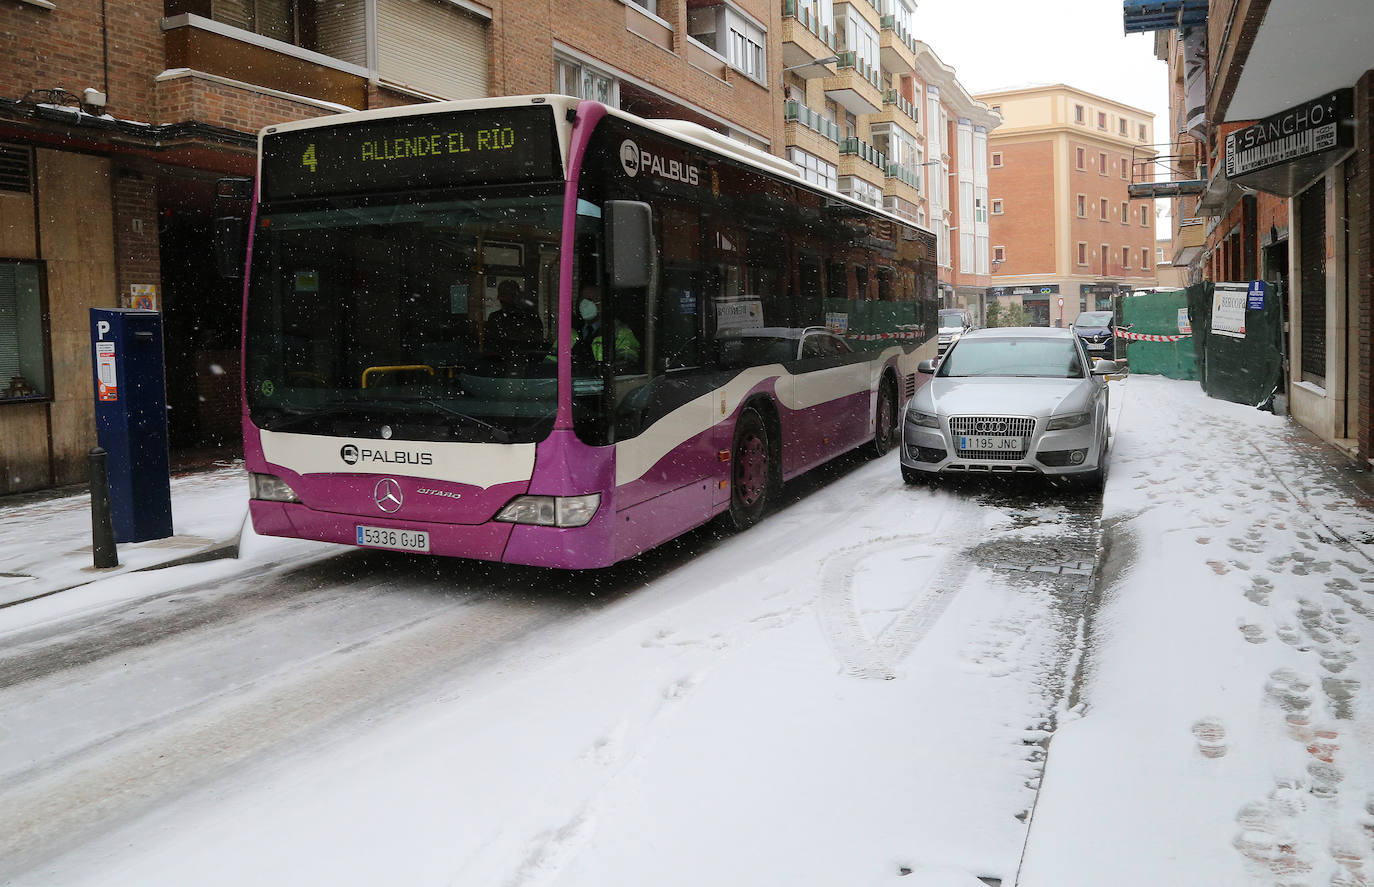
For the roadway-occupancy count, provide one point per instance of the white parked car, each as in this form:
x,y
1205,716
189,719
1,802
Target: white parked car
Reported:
x,y
1010,400
954,322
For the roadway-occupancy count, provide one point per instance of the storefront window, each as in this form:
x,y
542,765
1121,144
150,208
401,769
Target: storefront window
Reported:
x,y
23,335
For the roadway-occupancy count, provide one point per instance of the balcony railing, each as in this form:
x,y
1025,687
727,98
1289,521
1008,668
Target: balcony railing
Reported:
x,y
890,23
902,174
862,67
865,151
795,111
893,97
808,20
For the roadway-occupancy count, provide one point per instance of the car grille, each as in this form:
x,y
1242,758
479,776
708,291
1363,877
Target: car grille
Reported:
x,y
1009,426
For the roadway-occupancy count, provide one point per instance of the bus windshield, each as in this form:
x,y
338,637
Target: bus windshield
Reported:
x,y
413,319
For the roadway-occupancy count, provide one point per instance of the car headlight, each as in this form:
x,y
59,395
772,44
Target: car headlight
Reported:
x,y
1072,420
551,511
916,417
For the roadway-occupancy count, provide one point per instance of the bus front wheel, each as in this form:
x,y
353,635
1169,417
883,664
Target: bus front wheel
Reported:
x,y
751,470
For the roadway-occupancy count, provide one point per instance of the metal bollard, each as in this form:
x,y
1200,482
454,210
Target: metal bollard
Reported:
x,y
102,525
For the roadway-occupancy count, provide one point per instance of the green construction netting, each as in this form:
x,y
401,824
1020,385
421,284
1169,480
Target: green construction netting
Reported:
x,y
1157,314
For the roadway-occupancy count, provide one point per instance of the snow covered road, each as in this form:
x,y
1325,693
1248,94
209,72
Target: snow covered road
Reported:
x,y
856,689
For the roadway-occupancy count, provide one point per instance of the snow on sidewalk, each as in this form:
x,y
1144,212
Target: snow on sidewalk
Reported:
x,y
1227,731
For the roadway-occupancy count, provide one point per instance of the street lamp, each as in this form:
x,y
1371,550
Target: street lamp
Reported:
x,y
782,75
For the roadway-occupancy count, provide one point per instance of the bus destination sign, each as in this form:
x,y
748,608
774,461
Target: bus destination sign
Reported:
x,y
478,147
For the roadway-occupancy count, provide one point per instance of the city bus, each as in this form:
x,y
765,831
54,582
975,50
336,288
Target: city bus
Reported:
x,y
697,324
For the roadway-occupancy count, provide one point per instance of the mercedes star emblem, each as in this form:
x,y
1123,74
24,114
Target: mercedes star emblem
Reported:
x,y
387,495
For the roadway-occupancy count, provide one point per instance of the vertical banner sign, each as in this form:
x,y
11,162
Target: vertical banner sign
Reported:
x,y
106,378
1228,309
1256,296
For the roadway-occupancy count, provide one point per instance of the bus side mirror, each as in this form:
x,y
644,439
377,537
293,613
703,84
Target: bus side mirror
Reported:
x,y
230,246
629,243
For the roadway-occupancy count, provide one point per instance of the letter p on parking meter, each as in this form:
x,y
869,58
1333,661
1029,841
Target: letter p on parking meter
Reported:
x,y
131,420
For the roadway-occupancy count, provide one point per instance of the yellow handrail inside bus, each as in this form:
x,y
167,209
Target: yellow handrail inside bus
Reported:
x,y
397,368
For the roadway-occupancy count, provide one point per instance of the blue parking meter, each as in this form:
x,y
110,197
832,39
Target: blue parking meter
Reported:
x,y
131,420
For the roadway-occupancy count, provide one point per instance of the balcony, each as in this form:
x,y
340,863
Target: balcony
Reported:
x,y
903,175
796,112
1191,238
856,86
199,44
898,46
897,110
864,151
804,37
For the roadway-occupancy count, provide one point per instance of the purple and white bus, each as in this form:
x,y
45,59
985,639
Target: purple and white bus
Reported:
x,y
427,293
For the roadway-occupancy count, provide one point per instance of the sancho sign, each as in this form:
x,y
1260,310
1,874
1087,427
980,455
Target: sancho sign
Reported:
x,y
1297,134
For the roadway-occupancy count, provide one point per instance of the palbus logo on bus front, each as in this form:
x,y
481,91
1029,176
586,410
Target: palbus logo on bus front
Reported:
x,y
352,455
633,160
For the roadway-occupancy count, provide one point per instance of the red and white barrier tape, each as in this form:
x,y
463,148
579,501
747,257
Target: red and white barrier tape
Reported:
x,y
1142,337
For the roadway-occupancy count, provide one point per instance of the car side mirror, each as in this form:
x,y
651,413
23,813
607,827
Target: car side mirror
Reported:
x,y
926,366
629,243
1103,367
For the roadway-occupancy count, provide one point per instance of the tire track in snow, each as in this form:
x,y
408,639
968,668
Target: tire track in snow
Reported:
x,y
878,658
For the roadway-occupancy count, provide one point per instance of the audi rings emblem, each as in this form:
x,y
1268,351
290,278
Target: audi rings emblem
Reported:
x,y
990,427
387,495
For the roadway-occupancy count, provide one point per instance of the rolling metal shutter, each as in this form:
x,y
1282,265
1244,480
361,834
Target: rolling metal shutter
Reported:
x,y
341,30
1312,267
433,47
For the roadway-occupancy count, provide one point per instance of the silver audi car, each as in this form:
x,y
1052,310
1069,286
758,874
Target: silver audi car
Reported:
x,y
1010,400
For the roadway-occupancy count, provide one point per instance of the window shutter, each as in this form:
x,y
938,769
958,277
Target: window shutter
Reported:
x,y
432,47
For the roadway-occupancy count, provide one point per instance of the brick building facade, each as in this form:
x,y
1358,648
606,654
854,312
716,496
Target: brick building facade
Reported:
x,y
121,117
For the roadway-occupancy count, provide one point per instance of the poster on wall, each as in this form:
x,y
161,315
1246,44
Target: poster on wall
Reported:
x,y
1228,309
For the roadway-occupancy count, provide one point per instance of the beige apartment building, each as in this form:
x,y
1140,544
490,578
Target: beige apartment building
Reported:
x,y
1066,235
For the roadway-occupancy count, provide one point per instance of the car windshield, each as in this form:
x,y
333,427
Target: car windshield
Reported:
x,y
1011,356
951,318
1094,319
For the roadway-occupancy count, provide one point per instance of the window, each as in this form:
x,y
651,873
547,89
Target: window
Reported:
x,y
1145,216
1125,168
856,35
1159,254
999,254
1145,260
581,80
1104,253
1142,132
1121,128
1101,120
1102,209
996,109
861,190
1080,159
997,158
1125,213
997,206
1102,163
649,6
1082,253
732,36
1082,205
1077,113
814,169
1126,257
24,356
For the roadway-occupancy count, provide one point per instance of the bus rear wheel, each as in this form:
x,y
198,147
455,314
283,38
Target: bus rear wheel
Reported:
x,y
885,420
751,471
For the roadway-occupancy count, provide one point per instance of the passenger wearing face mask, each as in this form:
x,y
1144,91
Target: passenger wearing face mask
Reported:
x,y
587,339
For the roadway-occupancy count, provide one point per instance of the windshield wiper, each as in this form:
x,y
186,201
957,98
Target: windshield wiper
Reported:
x,y
500,434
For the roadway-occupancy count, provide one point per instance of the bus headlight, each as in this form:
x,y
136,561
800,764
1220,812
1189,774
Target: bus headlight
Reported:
x,y
551,511
270,488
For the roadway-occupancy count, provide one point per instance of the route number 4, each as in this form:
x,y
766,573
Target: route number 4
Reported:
x,y
308,158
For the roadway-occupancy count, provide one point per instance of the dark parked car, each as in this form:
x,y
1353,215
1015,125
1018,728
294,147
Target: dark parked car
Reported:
x,y
1097,329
